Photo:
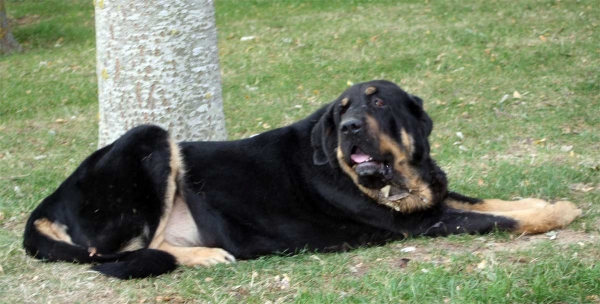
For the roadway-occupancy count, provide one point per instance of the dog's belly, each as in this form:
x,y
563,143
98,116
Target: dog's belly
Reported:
x,y
181,228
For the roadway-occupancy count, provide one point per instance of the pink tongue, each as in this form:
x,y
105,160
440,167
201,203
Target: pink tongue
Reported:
x,y
359,157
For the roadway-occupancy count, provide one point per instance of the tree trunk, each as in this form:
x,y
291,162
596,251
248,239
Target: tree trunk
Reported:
x,y
8,44
158,63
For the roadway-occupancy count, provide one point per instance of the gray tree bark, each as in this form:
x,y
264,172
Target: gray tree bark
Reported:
x,y
8,43
158,63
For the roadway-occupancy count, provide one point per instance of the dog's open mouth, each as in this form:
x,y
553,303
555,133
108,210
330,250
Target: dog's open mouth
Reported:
x,y
364,164
375,172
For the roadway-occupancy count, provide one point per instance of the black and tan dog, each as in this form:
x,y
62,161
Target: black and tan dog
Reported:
x,y
356,172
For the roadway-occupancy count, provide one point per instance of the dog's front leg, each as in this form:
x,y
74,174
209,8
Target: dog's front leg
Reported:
x,y
526,220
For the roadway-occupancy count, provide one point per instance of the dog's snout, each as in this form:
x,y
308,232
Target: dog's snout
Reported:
x,y
352,125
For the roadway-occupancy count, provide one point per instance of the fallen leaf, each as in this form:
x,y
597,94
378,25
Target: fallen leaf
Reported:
x,y
284,283
593,298
566,148
516,94
581,187
594,166
314,257
504,98
355,268
17,190
402,263
482,264
408,249
552,235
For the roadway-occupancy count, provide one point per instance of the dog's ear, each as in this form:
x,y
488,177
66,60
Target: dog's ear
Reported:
x,y
324,138
417,108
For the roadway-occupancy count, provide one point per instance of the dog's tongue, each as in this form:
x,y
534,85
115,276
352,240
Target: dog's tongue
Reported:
x,y
359,157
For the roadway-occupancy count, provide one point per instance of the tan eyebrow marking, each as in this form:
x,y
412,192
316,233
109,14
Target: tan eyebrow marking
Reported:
x,y
370,90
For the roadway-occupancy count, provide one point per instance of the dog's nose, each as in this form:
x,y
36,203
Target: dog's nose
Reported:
x,y
351,125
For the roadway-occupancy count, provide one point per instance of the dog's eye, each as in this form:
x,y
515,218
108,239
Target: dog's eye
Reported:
x,y
378,102
343,110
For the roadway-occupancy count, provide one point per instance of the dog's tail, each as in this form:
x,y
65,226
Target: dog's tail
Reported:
x,y
139,263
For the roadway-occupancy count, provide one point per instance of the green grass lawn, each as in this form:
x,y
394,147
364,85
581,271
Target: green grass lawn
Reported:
x,y
520,80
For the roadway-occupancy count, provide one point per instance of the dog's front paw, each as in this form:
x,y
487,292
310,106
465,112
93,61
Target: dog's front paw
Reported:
x,y
566,212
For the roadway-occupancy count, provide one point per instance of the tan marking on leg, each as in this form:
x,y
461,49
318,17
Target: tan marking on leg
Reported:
x,y
198,256
490,205
53,230
133,244
370,91
177,169
189,256
539,220
138,242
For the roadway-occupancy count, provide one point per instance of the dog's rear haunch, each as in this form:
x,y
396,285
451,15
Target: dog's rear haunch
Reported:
x,y
356,172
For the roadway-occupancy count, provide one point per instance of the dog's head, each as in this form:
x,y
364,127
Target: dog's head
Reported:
x,y
377,134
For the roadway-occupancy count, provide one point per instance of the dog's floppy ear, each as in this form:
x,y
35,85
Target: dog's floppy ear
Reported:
x,y
324,138
417,108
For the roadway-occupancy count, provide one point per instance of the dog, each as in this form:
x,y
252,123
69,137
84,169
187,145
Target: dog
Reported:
x,y
357,172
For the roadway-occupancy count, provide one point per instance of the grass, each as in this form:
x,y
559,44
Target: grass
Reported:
x,y
519,80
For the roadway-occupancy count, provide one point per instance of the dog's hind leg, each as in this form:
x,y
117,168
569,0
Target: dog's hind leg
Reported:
x,y
181,239
197,256
111,207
